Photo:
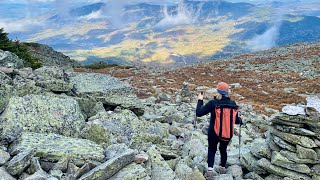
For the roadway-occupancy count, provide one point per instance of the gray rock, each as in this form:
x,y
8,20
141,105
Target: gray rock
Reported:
x,y
283,172
55,147
110,167
159,168
4,157
56,174
182,170
316,169
223,177
194,148
164,97
295,139
53,79
62,165
305,153
250,162
294,157
297,131
23,87
34,166
72,169
253,175
279,160
274,177
115,150
39,175
41,114
20,162
293,110
10,60
318,152
96,132
132,171
260,148
4,175
283,144
235,171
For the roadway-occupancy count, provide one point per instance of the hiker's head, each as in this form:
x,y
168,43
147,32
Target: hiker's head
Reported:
x,y
223,88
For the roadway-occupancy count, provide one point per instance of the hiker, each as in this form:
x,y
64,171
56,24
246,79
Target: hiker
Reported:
x,y
224,114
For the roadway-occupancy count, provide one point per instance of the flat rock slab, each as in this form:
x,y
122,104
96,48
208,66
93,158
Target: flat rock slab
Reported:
x,y
293,110
99,84
295,139
132,171
4,175
55,147
41,114
110,167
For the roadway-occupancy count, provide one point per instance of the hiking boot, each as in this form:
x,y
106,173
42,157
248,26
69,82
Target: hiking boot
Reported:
x,y
220,169
210,174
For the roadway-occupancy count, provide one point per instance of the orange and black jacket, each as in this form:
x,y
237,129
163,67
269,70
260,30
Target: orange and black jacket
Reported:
x,y
210,108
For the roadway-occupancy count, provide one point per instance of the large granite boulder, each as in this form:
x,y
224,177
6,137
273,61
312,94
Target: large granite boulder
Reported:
x,y
53,147
4,175
5,90
283,172
53,79
8,59
159,168
110,167
41,114
109,90
132,171
279,160
20,162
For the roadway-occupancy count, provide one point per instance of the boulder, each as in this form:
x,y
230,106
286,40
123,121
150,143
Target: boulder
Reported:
x,y
132,171
306,153
34,166
223,177
293,110
95,132
260,148
4,157
182,170
294,130
110,167
107,89
10,60
294,157
23,87
295,139
194,148
250,162
53,79
159,168
41,114
253,175
235,171
316,169
41,174
279,160
5,92
115,150
55,147
283,144
283,172
20,162
4,175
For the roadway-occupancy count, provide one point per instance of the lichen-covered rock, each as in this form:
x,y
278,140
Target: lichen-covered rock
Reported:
x,y
295,139
253,175
20,162
41,114
6,89
4,175
235,171
223,177
4,157
97,133
53,79
250,162
106,89
23,87
110,167
279,160
306,153
41,174
194,148
294,157
283,144
115,150
283,172
159,168
182,170
132,171
8,59
316,169
55,147
260,148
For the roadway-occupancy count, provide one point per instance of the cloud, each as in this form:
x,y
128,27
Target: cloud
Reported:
x,y
183,16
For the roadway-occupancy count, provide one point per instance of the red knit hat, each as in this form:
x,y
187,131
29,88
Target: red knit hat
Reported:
x,y
223,88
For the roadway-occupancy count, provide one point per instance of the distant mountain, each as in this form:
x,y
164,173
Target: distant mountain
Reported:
x,y
177,34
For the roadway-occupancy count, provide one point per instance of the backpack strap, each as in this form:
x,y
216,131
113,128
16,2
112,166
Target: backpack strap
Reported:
x,y
221,120
231,122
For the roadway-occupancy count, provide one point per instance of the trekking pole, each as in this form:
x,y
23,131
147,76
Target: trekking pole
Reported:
x,y
239,141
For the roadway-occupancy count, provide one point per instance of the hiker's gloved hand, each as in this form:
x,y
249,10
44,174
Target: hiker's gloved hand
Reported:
x,y
200,97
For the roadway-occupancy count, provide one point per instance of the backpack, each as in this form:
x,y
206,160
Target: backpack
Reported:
x,y
225,121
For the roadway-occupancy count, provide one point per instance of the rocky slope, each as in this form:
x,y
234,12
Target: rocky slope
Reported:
x,y
61,124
